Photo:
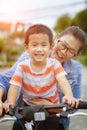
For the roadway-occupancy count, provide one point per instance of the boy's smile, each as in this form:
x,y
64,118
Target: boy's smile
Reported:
x,y
39,56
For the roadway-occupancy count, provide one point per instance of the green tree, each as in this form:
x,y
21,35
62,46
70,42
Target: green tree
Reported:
x,y
2,45
62,23
80,19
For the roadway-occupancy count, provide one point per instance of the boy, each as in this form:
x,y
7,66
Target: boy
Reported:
x,y
39,75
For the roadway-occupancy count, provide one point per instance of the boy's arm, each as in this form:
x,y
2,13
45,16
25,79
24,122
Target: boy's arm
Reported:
x,y
65,86
12,94
11,97
67,91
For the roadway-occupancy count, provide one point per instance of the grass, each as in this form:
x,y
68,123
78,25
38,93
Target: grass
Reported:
x,y
8,64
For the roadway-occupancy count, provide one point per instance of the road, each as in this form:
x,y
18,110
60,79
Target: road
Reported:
x,y
77,123
80,122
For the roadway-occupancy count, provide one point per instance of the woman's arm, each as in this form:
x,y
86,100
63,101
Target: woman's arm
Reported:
x,y
1,96
5,77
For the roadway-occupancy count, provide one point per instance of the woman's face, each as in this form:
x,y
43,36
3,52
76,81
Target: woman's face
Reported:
x,y
65,48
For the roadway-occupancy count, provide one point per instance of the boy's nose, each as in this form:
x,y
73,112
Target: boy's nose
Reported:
x,y
39,48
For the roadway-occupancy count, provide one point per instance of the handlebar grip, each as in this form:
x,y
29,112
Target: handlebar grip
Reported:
x,y
82,105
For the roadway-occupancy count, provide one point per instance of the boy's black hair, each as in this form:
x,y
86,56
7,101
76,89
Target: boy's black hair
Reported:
x,y
36,29
78,33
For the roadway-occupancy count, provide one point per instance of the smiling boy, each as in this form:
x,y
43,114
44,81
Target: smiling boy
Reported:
x,y
39,75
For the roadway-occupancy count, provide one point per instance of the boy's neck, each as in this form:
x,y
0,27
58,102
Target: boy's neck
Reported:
x,y
37,66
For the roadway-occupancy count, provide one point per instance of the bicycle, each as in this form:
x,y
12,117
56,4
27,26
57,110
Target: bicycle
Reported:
x,y
36,114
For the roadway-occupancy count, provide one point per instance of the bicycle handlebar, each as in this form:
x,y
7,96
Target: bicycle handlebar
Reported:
x,y
82,105
40,112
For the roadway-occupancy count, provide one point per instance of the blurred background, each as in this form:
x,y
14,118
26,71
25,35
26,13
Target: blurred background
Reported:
x,y
17,15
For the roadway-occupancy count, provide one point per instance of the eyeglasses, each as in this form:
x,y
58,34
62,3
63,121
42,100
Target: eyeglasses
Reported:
x,y
63,45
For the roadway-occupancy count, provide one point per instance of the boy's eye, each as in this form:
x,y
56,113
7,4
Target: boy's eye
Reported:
x,y
34,44
43,44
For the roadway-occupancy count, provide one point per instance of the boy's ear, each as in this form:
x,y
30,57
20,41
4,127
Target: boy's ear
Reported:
x,y
51,47
25,46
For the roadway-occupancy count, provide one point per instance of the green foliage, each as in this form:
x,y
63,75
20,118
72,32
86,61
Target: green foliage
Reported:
x,y
13,51
84,52
82,59
2,45
13,54
80,20
62,23
10,64
7,64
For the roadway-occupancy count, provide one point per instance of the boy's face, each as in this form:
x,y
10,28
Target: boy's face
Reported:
x,y
66,47
39,47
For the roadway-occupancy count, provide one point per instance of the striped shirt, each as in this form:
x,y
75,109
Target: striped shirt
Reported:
x,y
38,84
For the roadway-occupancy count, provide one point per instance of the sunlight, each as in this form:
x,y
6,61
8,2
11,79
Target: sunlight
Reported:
x,y
9,6
36,10
10,10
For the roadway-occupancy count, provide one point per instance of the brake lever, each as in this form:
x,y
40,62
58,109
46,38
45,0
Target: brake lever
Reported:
x,y
19,112
16,111
11,111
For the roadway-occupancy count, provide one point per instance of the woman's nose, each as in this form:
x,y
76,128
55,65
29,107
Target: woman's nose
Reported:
x,y
64,52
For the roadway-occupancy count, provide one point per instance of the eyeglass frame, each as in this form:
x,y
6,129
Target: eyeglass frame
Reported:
x,y
65,47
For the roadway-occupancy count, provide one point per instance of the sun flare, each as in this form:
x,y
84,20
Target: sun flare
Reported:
x,y
9,6
10,10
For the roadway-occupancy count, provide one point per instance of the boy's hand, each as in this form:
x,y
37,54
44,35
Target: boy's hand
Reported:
x,y
72,102
6,106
